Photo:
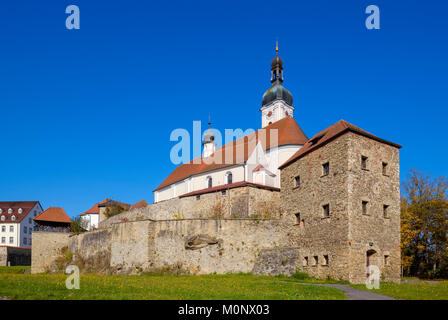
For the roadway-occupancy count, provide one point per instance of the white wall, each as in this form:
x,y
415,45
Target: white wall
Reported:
x,y
91,220
20,231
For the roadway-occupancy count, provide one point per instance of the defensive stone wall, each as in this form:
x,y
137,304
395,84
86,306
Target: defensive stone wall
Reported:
x,y
242,202
195,246
46,248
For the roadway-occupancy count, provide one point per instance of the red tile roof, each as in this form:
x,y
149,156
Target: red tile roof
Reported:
x,y
139,204
26,207
53,214
289,133
229,186
329,134
95,209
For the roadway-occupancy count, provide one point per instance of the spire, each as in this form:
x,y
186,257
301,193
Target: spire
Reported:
x,y
276,67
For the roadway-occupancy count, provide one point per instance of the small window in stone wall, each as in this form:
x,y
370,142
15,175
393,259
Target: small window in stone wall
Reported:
x,y
385,211
297,181
305,261
198,197
326,261
384,165
223,192
363,162
297,218
326,169
386,260
326,210
316,260
364,208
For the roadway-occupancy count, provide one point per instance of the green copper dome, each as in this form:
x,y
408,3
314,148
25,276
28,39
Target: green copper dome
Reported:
x,y
277,92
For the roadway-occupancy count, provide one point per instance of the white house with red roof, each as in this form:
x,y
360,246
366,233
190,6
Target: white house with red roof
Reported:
x,y
16,222
253,159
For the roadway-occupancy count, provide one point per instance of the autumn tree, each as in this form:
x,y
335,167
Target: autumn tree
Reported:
x,y
424,226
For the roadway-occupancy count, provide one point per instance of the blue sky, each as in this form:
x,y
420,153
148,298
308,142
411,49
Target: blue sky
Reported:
x,y
87,114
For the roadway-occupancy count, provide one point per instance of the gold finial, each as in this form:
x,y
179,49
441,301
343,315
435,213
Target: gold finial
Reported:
x,y
276,47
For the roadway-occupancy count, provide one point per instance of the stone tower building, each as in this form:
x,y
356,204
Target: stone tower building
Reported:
x,y
342,191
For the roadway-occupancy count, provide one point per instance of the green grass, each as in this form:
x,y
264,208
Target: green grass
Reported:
x,y
413,291
15,269
232,286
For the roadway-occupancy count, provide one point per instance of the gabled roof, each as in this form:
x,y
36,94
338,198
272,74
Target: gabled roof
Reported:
x,y
53,214
229,186
107,203
26,207
262,168
95,209
289,133
329,134
140,204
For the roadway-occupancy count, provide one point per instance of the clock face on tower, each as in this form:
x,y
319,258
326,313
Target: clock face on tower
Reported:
x,y
269,115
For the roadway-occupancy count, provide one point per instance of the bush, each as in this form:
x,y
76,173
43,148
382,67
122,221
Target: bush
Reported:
x,y
78,225
301,275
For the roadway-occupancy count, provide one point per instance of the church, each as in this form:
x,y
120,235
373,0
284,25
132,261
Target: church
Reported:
x,y
271,202
279,138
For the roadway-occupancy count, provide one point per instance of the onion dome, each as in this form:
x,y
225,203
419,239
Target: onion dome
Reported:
x,y
277,91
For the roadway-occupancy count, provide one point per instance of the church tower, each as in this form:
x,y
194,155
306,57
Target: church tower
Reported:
x,y
208,143
277,101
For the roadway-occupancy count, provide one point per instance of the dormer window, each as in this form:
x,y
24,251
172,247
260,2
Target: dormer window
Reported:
x,y
3,218
1,211
13,218
20,210
9,210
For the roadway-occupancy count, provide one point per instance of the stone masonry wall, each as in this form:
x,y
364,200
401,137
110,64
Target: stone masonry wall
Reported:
x,y
240,202
134,247
319,238
373,231
46,249
338,246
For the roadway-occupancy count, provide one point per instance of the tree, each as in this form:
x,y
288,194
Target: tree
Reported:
x,y
424,225
78,225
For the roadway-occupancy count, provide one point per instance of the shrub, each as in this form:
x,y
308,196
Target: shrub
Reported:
x,y
113,210
78,225
301,275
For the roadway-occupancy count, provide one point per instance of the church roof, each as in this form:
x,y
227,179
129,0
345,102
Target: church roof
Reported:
x,y
329,134
289,133
53,214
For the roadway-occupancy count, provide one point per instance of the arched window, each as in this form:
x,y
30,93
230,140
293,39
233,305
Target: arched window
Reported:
x,y
13,218
9,210
209,182
3,218
229,177
20,210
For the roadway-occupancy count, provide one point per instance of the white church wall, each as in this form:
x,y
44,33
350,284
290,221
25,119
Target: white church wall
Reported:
x,y
199,182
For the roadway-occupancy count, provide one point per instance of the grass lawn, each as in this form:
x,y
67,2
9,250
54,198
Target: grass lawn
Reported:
x,y
413,291
16,285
